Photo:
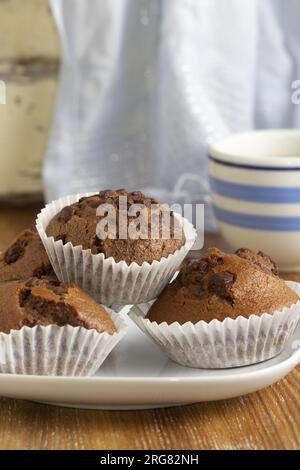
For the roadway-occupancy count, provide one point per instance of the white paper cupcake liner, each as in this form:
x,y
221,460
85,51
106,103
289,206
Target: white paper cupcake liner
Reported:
x,y
217,345
54,350
105,280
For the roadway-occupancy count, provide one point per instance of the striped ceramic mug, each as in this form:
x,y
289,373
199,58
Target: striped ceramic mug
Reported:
x,y
255,186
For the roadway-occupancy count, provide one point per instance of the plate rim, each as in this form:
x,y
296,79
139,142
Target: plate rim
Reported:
x,y
292,361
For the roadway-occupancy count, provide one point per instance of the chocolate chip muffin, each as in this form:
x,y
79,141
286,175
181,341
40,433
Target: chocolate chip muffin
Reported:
x,y
24,258
221,285
49,302
78,224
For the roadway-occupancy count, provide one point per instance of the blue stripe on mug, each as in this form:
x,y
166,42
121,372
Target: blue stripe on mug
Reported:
x,y
258,222
245,192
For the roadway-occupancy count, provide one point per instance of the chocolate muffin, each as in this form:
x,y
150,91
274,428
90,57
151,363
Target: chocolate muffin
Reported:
x,y
220,285
49,302
77,224
24,258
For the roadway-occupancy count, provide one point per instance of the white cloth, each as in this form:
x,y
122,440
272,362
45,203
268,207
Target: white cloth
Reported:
x,y
145,85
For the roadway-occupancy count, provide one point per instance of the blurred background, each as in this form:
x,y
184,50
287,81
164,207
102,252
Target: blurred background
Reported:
x,y
29,60
29,63
129,93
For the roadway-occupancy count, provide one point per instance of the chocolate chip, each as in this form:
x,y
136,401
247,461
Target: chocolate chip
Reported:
x,y
24,295
107,193
273,266
200,266
220,283
30,282
147,203
263,255
97,241
97,245
130,200
241,251
94,203
137,196
44,271
193,272
54,282
62,237
65,214
14,253
194,266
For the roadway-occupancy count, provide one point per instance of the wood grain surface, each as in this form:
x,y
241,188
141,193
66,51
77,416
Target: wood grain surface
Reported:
x,y
269,419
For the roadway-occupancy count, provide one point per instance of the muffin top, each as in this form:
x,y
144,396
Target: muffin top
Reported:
x,y
49,302
24,258
102,224
220,285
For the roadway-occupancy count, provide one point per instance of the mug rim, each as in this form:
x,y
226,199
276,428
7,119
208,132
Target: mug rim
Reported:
x,y
220,152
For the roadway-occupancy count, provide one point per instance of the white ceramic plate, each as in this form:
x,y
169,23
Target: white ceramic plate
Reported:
x,y
138,375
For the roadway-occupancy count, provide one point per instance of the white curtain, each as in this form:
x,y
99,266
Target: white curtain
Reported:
x,y
145,85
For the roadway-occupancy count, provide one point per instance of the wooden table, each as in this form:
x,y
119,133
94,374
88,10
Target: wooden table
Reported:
x,y
269,419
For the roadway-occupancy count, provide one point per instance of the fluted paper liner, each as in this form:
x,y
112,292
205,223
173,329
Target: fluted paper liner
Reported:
x,y
107,281
55,350
222,344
